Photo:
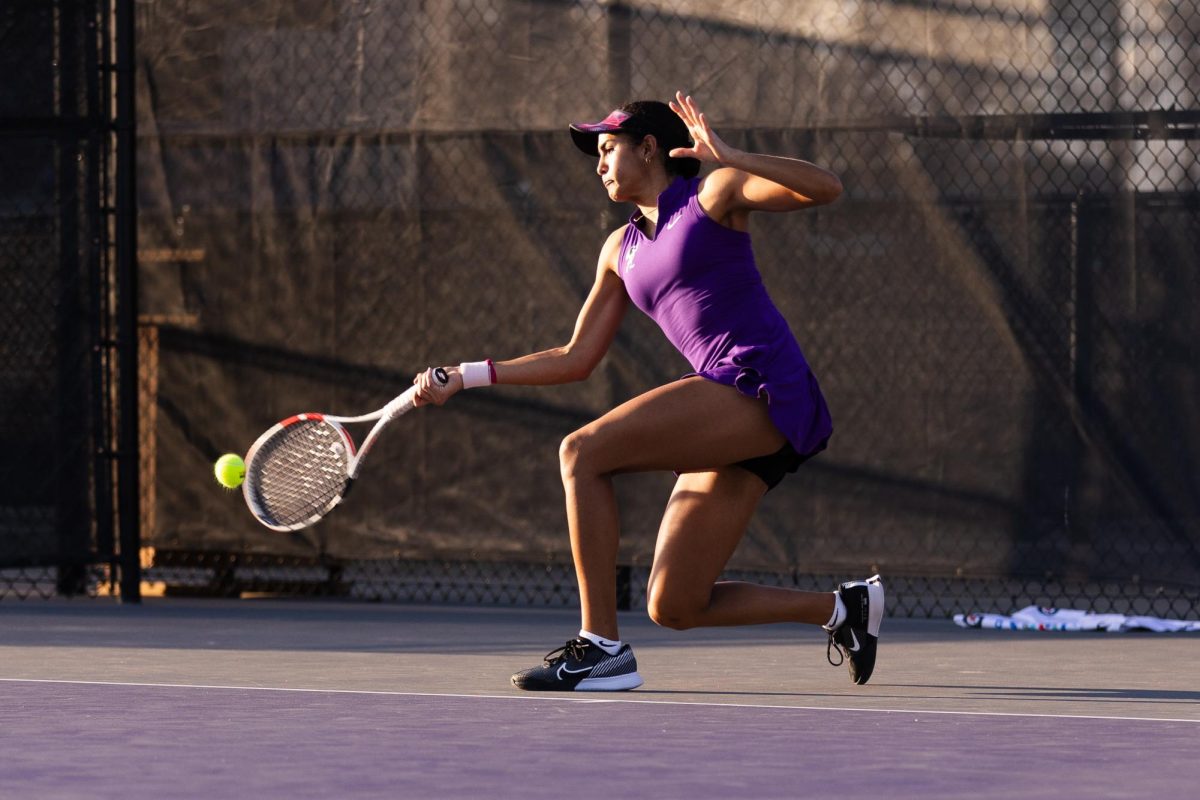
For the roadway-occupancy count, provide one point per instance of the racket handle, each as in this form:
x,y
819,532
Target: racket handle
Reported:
x,y
404,403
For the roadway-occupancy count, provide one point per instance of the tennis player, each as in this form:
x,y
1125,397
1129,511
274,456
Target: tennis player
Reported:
x,y
751,413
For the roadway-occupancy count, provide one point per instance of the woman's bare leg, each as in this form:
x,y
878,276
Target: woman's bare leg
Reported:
x,y
705,519
693,424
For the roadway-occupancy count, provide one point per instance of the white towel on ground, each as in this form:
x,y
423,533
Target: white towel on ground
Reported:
x,y
1041,618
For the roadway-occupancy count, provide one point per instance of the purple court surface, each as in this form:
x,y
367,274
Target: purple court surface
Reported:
x,y
266,699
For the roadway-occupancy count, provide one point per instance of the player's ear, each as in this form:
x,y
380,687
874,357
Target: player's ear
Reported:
x,y
648,147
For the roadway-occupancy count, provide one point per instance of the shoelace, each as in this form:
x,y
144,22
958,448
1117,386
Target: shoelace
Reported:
x,y
575,648
830,647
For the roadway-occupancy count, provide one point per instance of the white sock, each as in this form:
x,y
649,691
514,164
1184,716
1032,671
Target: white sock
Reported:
x,y
839,614
610,647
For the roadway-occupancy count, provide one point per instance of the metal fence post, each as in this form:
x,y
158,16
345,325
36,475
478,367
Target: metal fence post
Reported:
x,y
128,505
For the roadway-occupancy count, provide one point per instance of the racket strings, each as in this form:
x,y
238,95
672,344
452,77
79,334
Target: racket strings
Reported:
x,y
299,473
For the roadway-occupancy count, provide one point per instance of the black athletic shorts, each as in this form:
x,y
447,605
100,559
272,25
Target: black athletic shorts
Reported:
x,y
774,467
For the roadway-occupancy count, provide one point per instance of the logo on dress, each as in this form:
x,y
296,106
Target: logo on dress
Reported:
x,y
630,252
674,219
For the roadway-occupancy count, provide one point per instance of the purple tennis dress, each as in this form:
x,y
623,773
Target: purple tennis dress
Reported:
x,y
697,279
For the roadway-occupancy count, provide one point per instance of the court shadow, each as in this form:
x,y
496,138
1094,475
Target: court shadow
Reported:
x,y
1065,693
825,695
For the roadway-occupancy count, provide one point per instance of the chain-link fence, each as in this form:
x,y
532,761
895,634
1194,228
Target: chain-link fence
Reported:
x,y
336,193
57,358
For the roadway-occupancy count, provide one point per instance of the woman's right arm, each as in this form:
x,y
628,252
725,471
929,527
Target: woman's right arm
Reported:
x,y
595,329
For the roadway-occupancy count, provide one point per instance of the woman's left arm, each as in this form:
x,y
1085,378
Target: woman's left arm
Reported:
x,y
751,181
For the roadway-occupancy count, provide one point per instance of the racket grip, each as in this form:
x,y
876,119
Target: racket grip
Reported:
x,y
404,403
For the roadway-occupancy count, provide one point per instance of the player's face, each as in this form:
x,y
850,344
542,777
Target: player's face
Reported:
x,y
620,168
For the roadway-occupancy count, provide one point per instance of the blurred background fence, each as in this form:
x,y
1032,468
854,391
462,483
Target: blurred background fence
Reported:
x,y
335,193
68,485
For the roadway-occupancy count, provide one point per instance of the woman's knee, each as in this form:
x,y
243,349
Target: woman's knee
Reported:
x,y
672,610
570,453
579,454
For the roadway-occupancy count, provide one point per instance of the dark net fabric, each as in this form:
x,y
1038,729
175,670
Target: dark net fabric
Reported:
x,y
337,193
53,319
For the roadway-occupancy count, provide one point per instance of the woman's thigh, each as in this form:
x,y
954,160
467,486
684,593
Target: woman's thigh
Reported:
x,y
705,520
691,424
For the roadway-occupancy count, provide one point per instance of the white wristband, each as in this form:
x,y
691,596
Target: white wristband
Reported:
x,y
475,373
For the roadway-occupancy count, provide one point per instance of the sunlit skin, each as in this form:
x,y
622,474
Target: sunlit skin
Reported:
x,y
630,172
669,428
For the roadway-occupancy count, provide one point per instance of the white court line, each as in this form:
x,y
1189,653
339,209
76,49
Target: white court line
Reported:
x,y
551,697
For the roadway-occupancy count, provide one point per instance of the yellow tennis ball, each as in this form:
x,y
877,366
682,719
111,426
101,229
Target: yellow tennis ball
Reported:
x,y
230,470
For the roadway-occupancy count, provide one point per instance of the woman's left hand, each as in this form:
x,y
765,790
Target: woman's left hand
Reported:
x,y
707,146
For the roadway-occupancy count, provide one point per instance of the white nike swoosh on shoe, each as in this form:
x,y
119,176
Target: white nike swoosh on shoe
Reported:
x,y
856,646
563,668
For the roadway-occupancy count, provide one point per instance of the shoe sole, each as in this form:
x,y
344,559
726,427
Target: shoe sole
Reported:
x,y
875,614
613,683
875,597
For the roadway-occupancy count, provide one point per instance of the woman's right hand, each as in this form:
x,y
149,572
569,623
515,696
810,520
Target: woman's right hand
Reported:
x,y
430,392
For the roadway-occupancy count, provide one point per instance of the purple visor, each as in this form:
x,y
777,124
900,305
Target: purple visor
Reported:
x,y
587,134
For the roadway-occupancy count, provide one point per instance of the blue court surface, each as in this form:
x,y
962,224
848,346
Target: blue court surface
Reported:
x,y
268,698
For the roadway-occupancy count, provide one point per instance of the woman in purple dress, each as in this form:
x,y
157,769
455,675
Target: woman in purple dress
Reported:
x,y
750,413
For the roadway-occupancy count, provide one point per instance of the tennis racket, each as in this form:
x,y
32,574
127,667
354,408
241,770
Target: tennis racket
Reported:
x,y
302,467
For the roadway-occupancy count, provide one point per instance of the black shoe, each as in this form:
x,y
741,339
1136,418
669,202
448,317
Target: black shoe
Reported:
x,y
857,637
581,666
